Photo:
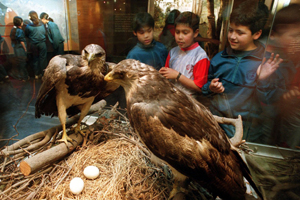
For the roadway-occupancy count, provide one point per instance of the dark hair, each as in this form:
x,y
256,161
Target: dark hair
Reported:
x,y
188,18
44,15
34,17
17,21
170,20
251,14
141,20
287,16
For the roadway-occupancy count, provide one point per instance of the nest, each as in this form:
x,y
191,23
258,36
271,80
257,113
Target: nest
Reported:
x,y
124,174
126,171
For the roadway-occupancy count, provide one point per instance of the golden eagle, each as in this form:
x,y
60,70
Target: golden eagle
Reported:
x,y
71,83
180,131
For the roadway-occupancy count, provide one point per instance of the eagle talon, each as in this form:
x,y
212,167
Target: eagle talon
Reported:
x,y
65,138
77,130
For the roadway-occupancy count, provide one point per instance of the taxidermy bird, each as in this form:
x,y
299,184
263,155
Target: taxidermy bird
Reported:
x,y
180,131
70,85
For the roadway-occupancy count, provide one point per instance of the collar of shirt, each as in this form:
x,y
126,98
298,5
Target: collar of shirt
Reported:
x,y
152,44
193,46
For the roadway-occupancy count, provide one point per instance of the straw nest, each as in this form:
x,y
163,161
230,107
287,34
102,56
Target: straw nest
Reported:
x,y
126,171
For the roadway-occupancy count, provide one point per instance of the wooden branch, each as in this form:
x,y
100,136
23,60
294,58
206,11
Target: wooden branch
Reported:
x,y
236,140
16,147
58,152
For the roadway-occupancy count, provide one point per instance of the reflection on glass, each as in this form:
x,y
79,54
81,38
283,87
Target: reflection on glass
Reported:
x,y
285,40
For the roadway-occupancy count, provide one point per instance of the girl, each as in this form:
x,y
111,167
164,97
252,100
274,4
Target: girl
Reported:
x,y
18,42
53,33
36,33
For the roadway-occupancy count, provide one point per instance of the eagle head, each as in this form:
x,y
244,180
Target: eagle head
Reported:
x,y
93,56
128,71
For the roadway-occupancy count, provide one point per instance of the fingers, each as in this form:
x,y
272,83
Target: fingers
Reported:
x,y
216,86
215,80
273,61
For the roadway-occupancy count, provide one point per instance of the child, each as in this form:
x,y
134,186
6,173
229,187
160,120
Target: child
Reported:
x,y
36,33
147,50
234,87
18,42
285,39
168,33
53,33
187,63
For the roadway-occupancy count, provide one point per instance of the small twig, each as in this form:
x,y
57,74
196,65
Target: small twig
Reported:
x,y
144,179
4,164
146,190
32,194
129,140
63,177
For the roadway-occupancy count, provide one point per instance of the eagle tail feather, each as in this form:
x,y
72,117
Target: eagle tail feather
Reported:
x,y
247,175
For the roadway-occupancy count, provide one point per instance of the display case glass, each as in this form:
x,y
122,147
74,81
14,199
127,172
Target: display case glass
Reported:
x,y
108,23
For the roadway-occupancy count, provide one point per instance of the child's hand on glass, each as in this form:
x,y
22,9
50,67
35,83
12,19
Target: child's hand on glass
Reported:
x,y
216,86
267,68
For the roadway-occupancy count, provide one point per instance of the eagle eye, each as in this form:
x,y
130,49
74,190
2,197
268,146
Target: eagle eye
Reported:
x,y
121,75
99,54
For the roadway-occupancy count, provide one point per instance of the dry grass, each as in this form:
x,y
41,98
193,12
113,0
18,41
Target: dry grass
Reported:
x,y
125,171
124,174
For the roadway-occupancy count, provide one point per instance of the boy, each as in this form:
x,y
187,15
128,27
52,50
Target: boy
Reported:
x,y
237,85
286,40
147,50
187,63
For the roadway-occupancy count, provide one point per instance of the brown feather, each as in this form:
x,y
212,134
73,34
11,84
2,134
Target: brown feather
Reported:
x,y
180,130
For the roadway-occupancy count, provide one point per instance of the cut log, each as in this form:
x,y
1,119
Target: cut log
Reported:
x,y
53,154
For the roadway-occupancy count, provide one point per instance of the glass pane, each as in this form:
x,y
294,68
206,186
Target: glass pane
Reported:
x,y
282,115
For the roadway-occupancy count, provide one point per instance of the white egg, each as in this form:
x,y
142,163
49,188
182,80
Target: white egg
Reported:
x,y
91,172
76,185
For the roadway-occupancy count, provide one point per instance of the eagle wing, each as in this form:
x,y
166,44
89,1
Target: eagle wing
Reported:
x,y
189,139
55,72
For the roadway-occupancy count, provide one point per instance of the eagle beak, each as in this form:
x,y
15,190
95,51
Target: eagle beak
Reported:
x,y
90,58
109,77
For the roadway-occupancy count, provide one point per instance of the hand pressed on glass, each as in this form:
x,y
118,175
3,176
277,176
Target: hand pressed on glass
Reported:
x,y
269,67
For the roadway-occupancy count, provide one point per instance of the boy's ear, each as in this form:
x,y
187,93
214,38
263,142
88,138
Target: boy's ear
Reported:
x,y
257,34
196,33
134,33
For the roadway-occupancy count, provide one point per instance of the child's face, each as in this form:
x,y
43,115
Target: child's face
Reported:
x,y
184,35
240,37
288,38
145,35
